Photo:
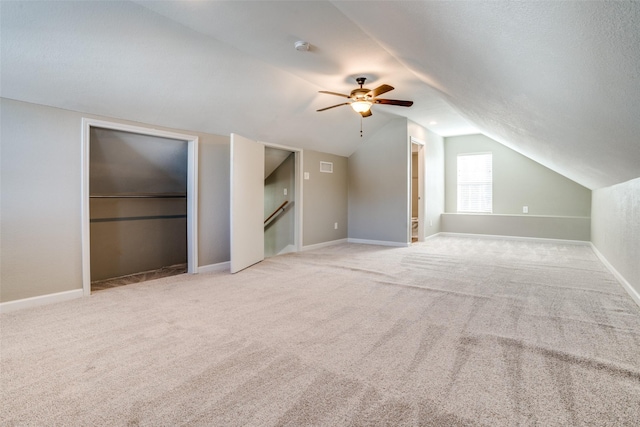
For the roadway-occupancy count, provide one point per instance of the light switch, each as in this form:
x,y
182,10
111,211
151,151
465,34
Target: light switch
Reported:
x,y
306,175
285,191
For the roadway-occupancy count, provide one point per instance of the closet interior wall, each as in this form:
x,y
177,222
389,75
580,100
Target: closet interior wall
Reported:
x,y
138,203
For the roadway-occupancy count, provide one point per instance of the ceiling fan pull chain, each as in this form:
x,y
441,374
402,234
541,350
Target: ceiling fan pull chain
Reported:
x,y
360,126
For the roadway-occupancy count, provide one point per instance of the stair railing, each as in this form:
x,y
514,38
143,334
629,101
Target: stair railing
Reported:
x,y
280,209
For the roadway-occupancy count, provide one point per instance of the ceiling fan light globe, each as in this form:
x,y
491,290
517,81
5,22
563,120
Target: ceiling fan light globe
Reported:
x,y
361,106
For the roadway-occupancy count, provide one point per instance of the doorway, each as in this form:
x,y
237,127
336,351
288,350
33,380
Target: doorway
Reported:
x,y
248,207
279,201
416,195
139,208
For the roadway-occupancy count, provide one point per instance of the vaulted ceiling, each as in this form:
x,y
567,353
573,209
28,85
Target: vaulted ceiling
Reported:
x,y
556,81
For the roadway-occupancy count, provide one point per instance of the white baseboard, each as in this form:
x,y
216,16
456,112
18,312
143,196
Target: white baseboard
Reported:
x,y
323,244
378,242
431,236
526,239
221,266
20,304
625,284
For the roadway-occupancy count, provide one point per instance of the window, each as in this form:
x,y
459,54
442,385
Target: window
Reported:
x,y
475,183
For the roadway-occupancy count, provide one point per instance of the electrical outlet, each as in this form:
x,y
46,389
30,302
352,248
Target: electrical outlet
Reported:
x,y
285,191
525,209
335,225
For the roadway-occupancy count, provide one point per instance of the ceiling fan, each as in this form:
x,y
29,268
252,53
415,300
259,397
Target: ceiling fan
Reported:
x,y
362,98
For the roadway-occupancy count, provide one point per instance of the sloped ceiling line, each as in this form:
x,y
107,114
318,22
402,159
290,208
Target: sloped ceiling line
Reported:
x,y
552,80
556,81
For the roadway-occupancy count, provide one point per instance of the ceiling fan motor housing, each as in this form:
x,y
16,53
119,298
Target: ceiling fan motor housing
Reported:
x,y
360,94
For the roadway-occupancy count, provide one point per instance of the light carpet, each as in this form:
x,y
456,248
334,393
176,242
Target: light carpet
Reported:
x,y
450,332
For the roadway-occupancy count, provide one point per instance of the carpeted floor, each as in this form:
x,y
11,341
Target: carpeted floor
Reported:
x,y
450,332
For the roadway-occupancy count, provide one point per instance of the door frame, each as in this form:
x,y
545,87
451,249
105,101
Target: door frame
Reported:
x,y
192,190
421,187
297,206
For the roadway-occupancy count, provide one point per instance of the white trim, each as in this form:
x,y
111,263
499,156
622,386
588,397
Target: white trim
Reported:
x,y
625,284
221,266
378,242
527,239
409,155
432,236
323,244
298,233
192,206
513,215
20,304
192,190
84,208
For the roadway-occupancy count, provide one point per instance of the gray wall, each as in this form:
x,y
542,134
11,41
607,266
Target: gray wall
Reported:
x,y
41,199
324,199
615,228
129,163
535,226
213,199
280,231
379,183
558,207
517,181
378,186
122,245
41,170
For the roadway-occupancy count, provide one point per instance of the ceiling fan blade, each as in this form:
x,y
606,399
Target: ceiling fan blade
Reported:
x,y
394,102
366,113
334,93
334,106
379,91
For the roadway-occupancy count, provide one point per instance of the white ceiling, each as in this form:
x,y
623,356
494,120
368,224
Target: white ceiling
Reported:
x,y
557,81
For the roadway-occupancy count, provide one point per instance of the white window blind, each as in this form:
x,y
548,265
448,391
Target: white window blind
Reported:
x,y
475,183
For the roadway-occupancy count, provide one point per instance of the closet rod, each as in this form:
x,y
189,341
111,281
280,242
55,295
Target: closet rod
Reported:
x,y
136,218
141,196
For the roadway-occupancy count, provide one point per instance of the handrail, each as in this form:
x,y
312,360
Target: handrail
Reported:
x,y
276,211
139,196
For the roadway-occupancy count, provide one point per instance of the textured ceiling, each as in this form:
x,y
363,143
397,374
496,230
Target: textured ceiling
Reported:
x,y
556,81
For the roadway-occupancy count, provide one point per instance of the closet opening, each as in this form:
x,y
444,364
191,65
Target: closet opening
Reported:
x,y
139,203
